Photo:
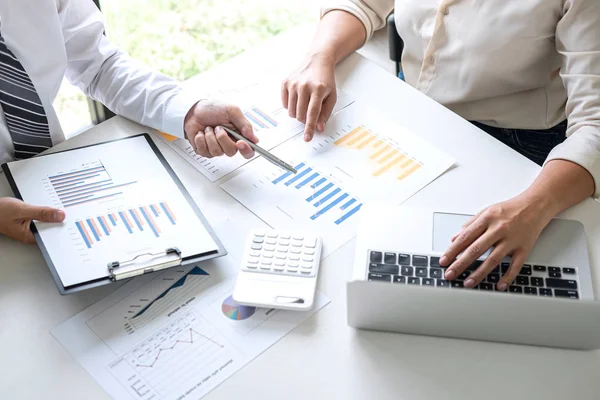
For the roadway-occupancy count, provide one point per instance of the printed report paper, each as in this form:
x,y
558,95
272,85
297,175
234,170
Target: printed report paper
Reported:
x,y
119,201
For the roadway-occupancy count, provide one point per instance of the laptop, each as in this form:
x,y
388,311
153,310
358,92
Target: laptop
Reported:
x,y
398,285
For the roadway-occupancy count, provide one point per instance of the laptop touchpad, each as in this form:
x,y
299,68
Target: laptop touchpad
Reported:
x,y
445,226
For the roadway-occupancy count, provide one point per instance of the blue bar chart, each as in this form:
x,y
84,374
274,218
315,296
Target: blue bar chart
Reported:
x,y
327,197
139,220
86,185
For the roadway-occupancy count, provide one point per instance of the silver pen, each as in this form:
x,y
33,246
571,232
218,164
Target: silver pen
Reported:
x,y
270,157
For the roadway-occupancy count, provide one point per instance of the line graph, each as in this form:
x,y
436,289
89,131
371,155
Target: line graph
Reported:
x,y
196,271
190,341
186,350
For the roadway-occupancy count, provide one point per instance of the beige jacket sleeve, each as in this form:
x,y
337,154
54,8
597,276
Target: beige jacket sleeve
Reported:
x,y
372,13
578,41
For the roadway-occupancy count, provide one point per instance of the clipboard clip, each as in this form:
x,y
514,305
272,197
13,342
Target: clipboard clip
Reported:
x,y
118,270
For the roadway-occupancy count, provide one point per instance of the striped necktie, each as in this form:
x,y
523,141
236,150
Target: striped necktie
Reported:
x,y
23,110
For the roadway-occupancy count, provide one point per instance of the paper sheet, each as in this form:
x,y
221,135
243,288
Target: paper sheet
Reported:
x,y
261,105
360,159
176,335
119,201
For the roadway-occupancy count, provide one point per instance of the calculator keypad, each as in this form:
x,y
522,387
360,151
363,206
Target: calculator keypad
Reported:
x,y
282,254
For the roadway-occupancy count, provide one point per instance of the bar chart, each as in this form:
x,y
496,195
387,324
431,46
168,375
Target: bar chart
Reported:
x,y
313,199
385,156
326,196
360,159
134,221
89,184
259,119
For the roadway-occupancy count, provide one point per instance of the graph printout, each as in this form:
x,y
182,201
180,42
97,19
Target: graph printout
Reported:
x,y
361,158
119,202
174,335
261,105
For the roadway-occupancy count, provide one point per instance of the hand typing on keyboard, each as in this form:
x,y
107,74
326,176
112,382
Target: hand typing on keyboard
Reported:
x,y
511,228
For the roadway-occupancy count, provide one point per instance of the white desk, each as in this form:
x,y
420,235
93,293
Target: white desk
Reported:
x,y
323,358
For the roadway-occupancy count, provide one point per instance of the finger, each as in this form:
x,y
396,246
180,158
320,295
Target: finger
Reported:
x,y
312,117
304,95
201,146
326,110
467,224
491,262
517,260
242,124
192,139
26,235
465,239
245,149
477,248
226,143
473,219
284,94
211,141
42,214
292,102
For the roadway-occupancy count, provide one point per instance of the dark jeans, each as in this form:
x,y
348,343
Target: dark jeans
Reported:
x,y
533,144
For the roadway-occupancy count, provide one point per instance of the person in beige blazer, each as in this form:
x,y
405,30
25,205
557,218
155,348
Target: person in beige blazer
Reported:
x,y
526,72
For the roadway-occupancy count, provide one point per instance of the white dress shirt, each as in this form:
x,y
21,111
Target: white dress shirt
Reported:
x,y
57,38
512,64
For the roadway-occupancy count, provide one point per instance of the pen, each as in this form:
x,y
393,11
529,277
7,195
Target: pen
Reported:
x,y
270,157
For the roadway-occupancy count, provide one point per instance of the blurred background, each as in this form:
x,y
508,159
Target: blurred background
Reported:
x,y
182,38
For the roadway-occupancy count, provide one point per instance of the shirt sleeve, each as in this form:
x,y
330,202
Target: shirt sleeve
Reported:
x,y
578,42
372,13
108,75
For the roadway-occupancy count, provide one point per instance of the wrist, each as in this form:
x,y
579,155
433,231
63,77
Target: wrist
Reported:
x,y
541,204
322,58
190,113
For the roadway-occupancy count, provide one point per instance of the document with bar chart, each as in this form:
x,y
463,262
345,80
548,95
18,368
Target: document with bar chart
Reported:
x,y
261,105
174,335
120,202
360,159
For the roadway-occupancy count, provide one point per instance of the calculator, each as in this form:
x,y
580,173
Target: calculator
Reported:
x,y
279,269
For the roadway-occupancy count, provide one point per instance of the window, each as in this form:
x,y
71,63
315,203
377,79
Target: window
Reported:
x,y
182,38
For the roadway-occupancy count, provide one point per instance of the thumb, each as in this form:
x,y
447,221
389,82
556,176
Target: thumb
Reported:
x,y
43,214
243,126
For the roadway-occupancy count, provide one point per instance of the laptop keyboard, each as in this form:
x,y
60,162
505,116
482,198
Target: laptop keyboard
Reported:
x,y
425,270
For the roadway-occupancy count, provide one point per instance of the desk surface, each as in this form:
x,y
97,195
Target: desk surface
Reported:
x,y
323,358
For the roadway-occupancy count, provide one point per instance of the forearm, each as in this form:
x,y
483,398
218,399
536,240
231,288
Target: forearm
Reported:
x,y
106,74
338,35
560,185
137,92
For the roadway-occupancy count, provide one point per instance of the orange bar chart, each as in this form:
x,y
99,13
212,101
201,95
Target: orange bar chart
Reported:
x,y
385,155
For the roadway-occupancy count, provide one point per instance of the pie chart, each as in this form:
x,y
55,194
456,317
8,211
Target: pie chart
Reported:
x,y
235,311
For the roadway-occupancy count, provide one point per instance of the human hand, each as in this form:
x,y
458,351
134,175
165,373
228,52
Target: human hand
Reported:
x,y
309,94
16,217
203,131
511,227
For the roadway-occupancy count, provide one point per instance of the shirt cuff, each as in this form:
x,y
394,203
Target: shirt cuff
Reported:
x,y
582,148
355,10
176,110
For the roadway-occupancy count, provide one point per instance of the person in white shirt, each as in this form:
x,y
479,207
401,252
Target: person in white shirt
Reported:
x,y
41,41
527,72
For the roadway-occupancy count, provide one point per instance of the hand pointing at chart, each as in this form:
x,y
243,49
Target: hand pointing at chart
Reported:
x,y
203,131
16,217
